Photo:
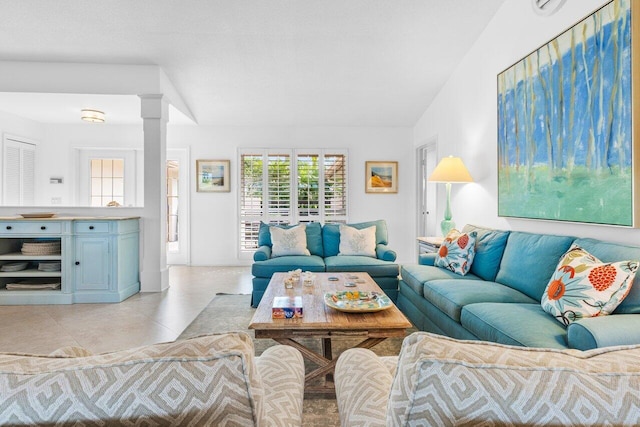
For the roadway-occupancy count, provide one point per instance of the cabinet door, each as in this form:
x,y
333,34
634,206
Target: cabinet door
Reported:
x,y
92,263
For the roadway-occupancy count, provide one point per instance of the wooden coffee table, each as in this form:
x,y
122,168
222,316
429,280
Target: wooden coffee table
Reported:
x,y
320,321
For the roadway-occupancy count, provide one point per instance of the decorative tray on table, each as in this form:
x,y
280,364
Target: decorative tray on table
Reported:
x,y
357,301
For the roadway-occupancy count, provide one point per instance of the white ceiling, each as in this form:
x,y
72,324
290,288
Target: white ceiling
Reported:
x,y
252,62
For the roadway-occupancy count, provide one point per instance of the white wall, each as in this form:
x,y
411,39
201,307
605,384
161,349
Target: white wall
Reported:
x,y
464,116
214,216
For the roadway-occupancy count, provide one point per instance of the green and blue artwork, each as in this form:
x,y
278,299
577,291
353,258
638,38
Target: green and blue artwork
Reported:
x,y
565,140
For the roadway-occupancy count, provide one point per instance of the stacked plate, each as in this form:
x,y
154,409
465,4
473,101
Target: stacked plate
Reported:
x,y
50,266
41,248
33,285
14,266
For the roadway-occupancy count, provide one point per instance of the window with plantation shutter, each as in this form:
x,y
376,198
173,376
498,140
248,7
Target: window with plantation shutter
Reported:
x,y
335,188
278,196
251,211
308,187
290,186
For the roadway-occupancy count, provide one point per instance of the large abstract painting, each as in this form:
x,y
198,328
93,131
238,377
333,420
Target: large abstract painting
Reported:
x,y
565,137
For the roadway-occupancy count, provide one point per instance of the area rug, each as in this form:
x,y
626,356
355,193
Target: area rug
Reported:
x,y
228,313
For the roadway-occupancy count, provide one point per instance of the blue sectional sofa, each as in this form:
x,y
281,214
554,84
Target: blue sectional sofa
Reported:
x,y
323,242
499,299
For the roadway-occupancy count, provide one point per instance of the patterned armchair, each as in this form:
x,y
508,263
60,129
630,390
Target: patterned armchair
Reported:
x,y
205,381
442,381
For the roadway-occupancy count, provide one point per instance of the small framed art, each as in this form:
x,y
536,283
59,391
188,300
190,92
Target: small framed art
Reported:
x,y
381,177
212,176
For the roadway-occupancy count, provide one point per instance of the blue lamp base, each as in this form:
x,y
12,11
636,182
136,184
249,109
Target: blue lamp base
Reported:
x,y
446,225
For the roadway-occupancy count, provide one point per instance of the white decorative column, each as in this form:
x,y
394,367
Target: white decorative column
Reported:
x,y
154,275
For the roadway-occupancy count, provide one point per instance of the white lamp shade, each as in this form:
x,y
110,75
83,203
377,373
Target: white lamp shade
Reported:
x,y
450,169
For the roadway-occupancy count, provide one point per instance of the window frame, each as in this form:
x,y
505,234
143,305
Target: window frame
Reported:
x,y
294,215
133,182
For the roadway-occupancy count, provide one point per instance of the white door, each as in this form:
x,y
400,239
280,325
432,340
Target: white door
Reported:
x,y
178,207
427,156
19,172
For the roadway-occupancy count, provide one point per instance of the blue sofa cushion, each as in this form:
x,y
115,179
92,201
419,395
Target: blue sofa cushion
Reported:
x,y
375,267
490,246
313,232
604,331
611,252
529,261
331,235
451,295
514,324
287,263
416,275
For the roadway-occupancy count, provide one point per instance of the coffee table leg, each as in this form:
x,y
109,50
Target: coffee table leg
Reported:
x,y
325,362
326,351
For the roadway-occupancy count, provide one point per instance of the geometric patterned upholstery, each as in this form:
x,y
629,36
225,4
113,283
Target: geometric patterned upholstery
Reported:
x,y
443,381
362,383
282,371
208,380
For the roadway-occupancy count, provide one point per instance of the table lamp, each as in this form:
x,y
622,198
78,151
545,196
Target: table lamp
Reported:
x,y
449,170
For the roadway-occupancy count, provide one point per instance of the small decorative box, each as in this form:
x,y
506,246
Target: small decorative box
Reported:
x,y
286,307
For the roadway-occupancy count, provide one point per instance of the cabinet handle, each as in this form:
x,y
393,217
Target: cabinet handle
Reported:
x,y
9,227
91,227
77,262
43,228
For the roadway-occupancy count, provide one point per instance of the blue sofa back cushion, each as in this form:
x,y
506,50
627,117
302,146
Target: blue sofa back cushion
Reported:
x,y
490,246
612,252
331,235
313,231
529,261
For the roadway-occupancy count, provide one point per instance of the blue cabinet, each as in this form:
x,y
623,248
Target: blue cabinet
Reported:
x,y
97,259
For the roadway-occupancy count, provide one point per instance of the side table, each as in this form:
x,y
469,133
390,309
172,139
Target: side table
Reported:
x,y
429,244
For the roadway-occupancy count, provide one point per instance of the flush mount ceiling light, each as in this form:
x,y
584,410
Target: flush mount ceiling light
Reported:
x,y
547,7
93,116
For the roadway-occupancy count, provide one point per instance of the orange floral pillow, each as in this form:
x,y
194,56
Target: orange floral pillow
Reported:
x,y
457,252
584,286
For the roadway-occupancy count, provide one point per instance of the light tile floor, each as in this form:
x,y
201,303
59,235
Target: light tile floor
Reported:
x,y
145,318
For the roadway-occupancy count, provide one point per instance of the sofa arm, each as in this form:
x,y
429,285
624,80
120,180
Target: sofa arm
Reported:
x,y
604,331
281,370
427,259
384,253
263,253
363,383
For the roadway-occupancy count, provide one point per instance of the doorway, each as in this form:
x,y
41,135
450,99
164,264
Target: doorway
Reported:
x,y
427,156
177,236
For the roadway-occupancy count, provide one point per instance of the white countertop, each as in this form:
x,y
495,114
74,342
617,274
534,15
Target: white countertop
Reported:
x,y
69,218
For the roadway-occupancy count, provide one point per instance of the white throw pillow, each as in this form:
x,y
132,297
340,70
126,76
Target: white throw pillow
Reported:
x,y
289,241
357,242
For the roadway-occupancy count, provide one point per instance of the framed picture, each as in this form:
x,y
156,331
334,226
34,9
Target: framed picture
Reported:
x,y
566,143
212,175
381,177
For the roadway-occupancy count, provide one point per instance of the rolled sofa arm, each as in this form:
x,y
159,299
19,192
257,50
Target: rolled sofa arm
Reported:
x,y
282,373
384,253
263,253
427,259
604,331
363,383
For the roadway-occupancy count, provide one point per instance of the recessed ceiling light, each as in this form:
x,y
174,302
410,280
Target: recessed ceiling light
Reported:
x,y
93,116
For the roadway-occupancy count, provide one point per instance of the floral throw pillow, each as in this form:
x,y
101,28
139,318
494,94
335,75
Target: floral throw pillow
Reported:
x,y
584,286
357,242
457,252
289,241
